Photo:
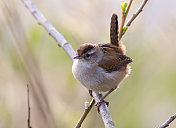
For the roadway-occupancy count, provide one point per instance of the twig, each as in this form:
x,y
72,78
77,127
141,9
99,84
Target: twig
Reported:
x,y
67,48
167,123
86,111
134,16
124,16
137,13
104,111
29,109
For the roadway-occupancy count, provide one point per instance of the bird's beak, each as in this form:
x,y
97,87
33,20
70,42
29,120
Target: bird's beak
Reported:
x,y
77,57
130,60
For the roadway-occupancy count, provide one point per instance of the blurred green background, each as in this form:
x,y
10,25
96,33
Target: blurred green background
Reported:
x,y
28,55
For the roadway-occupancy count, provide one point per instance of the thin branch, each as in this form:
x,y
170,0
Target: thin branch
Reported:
x,y
29,109
167,123
134,16
121,26
137,13
124,16
86,111
68,49
128,8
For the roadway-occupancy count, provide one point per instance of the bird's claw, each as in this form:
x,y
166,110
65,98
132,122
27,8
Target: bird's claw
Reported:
x,y
98,104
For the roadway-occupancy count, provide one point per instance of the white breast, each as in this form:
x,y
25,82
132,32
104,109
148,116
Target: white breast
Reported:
x,y
96,78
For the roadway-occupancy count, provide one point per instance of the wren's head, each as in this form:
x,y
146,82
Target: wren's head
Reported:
x,y
87,53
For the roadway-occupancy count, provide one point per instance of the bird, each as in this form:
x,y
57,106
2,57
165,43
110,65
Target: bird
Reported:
x,y
102,67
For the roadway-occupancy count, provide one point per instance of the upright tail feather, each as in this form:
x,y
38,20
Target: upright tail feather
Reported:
x,y
114,30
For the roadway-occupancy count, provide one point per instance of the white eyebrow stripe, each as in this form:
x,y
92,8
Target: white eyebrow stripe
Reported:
x,y
92,51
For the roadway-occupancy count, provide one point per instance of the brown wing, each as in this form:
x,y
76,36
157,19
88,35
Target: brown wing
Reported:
x,y
113,60
120,48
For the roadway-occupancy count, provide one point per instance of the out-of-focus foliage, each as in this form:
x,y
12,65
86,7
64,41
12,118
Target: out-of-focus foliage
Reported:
x,y
29,55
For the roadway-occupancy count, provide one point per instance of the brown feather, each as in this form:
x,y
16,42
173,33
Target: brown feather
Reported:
x,y
120,49
85,48
113,58
114,30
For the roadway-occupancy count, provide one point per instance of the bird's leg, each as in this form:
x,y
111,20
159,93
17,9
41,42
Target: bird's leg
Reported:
x,y
90,93
102,100
107,94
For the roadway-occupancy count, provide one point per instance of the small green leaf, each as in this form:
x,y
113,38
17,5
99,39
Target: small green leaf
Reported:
x,y
124,29
124,6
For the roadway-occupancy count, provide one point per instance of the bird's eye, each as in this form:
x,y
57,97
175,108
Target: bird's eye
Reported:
x,y
88,55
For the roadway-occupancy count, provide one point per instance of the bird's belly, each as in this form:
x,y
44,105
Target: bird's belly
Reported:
x,y
108,81
97,79
85,74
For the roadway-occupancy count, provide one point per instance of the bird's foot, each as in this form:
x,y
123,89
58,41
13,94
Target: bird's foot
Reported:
x,y
98,104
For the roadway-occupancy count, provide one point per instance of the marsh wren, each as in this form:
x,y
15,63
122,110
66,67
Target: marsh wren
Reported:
x,y
102,67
